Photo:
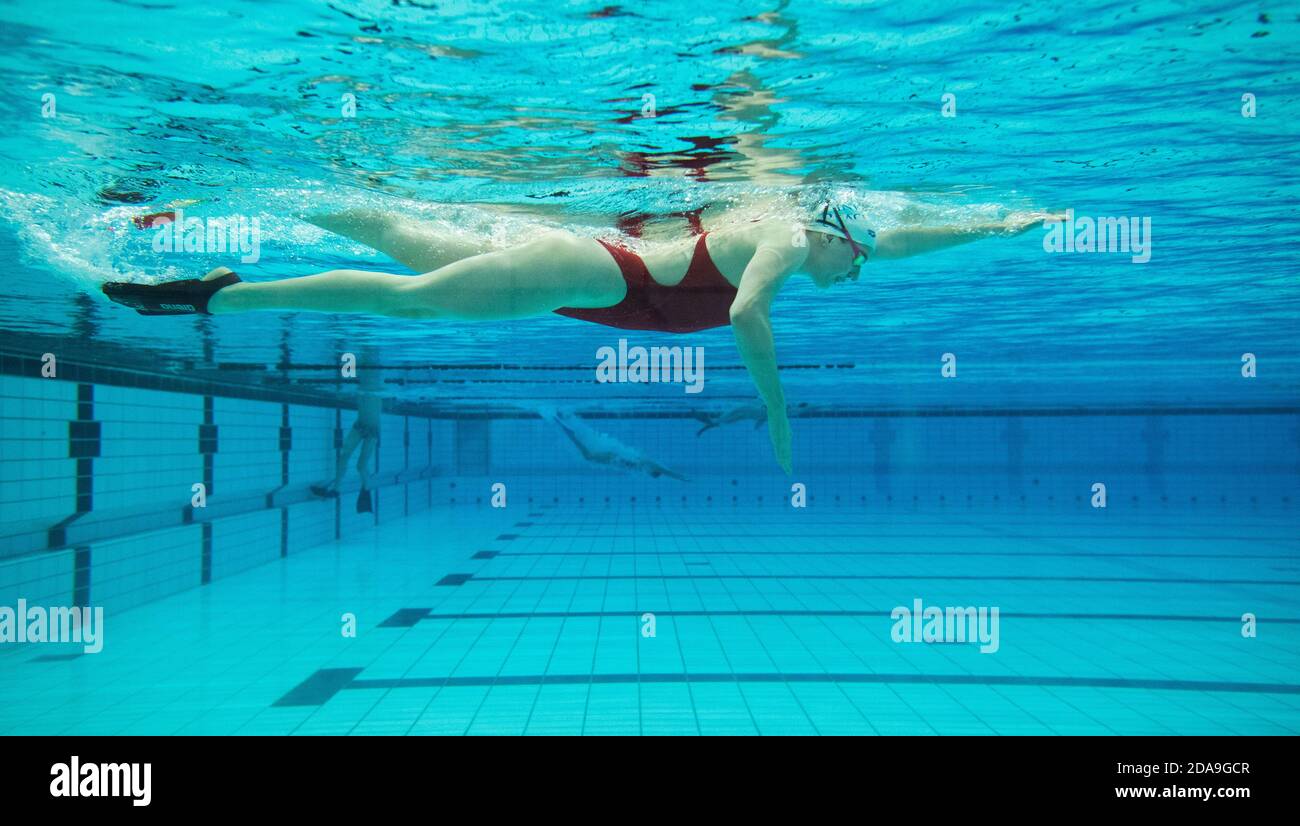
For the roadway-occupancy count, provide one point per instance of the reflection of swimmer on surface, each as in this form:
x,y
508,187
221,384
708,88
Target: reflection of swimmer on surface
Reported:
x,y
365,434
602,448
728,276
755,412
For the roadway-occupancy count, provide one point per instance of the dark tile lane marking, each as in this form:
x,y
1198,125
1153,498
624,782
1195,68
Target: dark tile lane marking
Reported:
x,y
323,685
319,687
408,617
454,579
929,577
806,553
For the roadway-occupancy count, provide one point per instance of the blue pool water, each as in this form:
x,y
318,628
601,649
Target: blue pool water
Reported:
x,y
498,119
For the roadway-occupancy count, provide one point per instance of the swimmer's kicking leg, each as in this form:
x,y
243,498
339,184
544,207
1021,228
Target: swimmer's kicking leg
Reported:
x,y
426,245
555,270
421,246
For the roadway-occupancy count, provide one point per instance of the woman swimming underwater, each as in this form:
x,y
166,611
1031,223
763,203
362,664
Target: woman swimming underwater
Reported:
x,y
725,277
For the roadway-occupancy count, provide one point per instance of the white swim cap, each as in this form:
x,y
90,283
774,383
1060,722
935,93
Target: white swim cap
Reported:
x,y
843,222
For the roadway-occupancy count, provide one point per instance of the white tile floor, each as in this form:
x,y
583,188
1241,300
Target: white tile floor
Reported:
x,y
768,622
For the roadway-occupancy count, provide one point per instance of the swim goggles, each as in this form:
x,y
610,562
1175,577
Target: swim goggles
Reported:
x,y
828,211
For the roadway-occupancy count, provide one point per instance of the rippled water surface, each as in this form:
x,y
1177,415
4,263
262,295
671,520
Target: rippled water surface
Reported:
x,y
496,118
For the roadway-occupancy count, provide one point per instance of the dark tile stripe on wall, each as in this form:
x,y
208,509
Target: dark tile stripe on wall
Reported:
x,y
338,500
286,444
84,446
81,577
208,443
205,569
324,684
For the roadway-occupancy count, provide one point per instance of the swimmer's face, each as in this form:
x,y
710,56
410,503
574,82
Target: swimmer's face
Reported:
x,y
830,260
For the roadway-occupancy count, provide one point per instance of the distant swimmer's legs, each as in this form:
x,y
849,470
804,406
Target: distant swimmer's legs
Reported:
x,y
363,461
554,271
422,246
350,443
363,470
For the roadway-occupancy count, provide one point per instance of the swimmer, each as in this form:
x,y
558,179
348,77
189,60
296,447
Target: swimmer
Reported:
x,y
754,412
603,448
364,434
724,277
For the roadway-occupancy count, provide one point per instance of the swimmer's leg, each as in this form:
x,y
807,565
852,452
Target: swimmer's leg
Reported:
x,y
554,271
349,445
336,291
340,465
363,460
419,245
363,470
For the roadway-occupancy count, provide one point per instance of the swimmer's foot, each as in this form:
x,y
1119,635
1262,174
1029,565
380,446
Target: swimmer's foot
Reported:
x,y
324,491
186,297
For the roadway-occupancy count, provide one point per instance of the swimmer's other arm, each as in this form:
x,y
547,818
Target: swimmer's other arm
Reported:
x,y
907,241
773,262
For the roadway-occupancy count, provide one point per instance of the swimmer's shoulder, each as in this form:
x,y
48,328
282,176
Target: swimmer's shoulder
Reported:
x,y
756,232
783,245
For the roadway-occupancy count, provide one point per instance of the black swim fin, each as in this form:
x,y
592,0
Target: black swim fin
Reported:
x,y
363,502
187,297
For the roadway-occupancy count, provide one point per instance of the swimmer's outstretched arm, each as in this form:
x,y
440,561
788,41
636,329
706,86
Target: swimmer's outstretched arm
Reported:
x,y
908,241
774,260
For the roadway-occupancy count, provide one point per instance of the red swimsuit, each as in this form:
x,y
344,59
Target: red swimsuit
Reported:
x,y
700,301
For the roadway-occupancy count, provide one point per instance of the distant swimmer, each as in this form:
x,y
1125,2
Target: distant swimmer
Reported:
x,y
724,277
753,412
603,448
364,434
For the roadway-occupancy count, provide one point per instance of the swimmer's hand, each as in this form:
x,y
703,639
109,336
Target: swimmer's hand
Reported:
x,y
778,429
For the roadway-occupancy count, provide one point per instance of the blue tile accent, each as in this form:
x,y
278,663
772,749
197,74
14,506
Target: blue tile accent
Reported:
x,y
81,577
208,443
778,677
485,555
455,579
318,688
286,444
405,618
85,401
207,439
83,439
85,485
890,577
205,575
883,613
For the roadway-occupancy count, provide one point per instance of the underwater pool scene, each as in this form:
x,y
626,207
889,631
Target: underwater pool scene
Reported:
x,y
1044,444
